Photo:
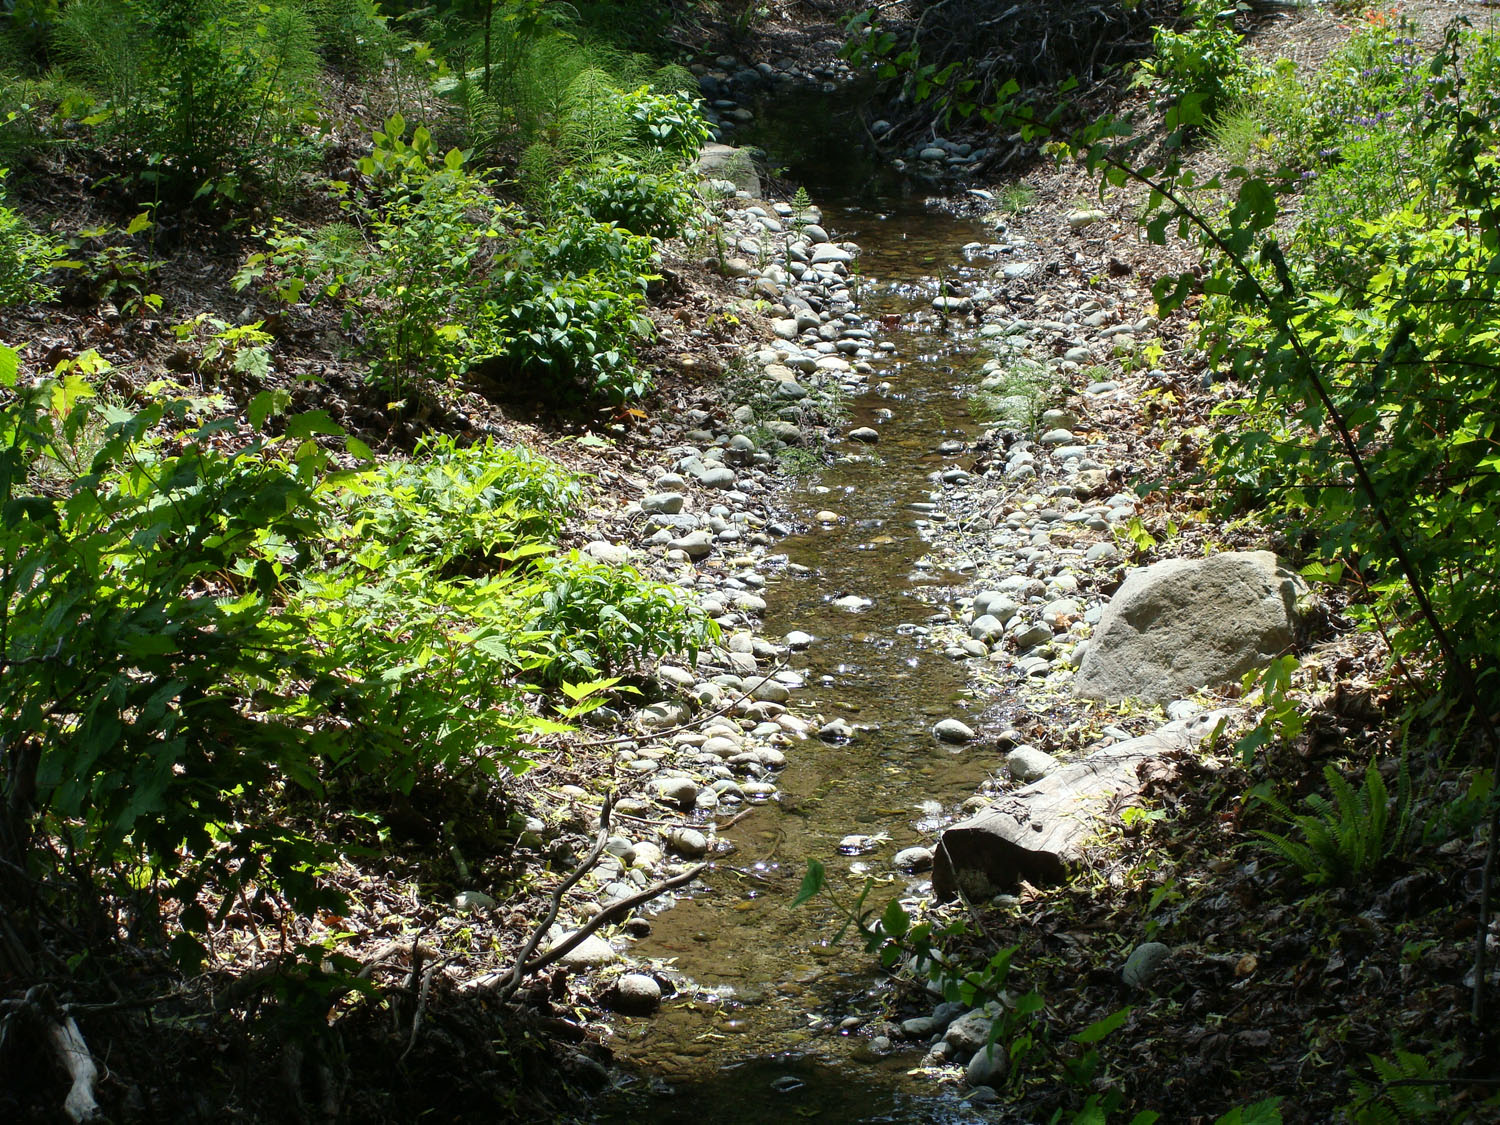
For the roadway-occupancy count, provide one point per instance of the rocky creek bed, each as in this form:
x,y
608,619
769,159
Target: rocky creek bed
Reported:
x,y
901,634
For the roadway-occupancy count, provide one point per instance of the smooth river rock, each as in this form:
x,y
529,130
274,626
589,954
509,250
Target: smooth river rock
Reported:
x,y
635,994
951,730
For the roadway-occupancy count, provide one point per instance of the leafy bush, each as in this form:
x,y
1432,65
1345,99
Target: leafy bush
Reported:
x,y
25,258
450,280
137,616
204,95
425,669
452,505
1205,62
666,122
1367,437
409,261
595,620
657,204
568,310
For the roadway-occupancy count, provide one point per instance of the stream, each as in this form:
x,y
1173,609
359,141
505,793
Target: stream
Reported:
x,y
759,1039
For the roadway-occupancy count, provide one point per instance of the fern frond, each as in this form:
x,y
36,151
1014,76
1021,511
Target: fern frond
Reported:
x,y
1300,856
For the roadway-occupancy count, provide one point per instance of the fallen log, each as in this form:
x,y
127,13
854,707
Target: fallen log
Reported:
x,y
1038,833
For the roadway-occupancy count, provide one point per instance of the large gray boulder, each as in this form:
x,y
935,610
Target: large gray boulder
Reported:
x,y
1185,624
725,162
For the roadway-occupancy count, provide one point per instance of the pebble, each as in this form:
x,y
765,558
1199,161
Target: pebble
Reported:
x,y
912,859
952,730
688,842
635,994
1143,963
591,952
1026,764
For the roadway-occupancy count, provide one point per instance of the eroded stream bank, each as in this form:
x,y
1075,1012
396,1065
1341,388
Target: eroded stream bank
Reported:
x,y
763,995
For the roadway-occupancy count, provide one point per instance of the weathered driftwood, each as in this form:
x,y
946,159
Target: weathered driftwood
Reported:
x,y
1037,833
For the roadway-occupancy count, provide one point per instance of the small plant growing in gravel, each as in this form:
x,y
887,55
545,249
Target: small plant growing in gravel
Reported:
x,y
1015,199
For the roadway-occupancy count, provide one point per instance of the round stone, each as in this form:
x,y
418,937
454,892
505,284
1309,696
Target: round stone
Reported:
x,y
635,994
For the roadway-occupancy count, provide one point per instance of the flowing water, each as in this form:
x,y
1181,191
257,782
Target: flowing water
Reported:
x,y
739,1046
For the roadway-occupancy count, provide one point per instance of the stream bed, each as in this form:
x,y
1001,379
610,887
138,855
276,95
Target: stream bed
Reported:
x,y
756,1035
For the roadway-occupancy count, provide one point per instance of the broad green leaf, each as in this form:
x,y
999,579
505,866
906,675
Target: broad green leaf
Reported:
x,y
1102,1028
812,883
895,921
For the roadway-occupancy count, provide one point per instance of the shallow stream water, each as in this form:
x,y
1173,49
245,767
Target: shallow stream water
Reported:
x,y
741,1048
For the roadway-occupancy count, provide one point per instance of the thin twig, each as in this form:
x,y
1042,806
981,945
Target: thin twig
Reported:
x,y
422,994
609,914
518,974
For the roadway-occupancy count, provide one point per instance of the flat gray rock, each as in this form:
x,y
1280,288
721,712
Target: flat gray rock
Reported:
x,y
1186,624
1041,831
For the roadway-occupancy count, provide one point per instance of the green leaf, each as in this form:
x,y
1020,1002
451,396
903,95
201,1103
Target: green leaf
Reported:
x,y
1323,572
578,692
1102,1028
10,366
359,449
895,921
139,223
812,883
266,405
311,422
1266,1112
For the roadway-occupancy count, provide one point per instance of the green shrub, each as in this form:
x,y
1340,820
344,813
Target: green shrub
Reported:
x,y
568,311
26,256
657,204
1366,433
448,280
1204,63
137,601
596,620
461,505
569,338
667,122
424,669
413,261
